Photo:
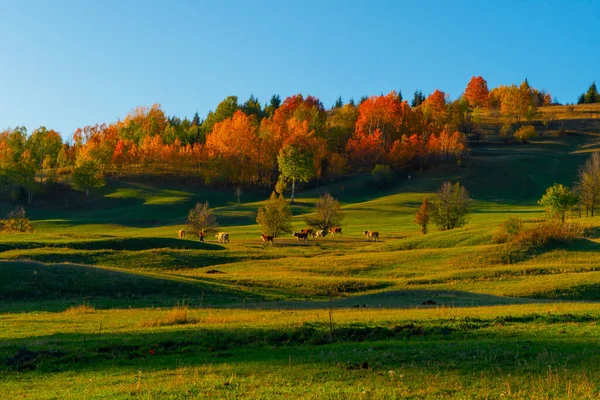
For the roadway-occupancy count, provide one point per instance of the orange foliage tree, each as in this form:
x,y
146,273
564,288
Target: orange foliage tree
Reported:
x,y
435,108
385,114
477,92
235,145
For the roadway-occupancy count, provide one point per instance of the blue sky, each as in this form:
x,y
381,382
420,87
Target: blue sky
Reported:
x,y
65,64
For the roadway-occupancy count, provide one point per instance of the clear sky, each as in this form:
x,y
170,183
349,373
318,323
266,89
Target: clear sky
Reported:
x,y
65,64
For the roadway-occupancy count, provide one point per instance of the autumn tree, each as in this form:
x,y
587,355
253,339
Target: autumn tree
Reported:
x,y
44,145
435,108
327,213
24,174
477,92
506,131
422,215
201,218
87,175
450,206
341,123
559,201
365,151
235,146
275,218
383,114
588,185
295,164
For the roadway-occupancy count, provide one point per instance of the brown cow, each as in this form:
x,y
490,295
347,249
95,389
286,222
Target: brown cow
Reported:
x,y
181,233
372,235
336,230
308,231
267,239
301,236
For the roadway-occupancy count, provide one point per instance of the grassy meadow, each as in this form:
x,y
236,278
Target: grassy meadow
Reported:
x,y
104,301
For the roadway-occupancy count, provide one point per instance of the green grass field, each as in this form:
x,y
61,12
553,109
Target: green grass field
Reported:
x,y
337,317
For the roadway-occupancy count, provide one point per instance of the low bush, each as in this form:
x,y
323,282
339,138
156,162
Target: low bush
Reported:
x,y
16,221
549,234
509,229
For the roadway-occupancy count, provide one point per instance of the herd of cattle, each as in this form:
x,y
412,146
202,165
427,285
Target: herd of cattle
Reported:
x,y
303,235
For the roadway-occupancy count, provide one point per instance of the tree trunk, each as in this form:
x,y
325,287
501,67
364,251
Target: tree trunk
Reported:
x,y
293,190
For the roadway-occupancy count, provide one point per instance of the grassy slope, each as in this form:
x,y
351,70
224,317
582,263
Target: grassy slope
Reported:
x,y
124,253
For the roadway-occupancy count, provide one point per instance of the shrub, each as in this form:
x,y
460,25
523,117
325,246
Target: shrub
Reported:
x,y
525,132
549,234
382,175
509,229
16,221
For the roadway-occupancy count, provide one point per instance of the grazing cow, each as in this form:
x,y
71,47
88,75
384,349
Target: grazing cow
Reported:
x,y
181,233
301,236
267,239
320,233
222,237
335,231
372,235
308,231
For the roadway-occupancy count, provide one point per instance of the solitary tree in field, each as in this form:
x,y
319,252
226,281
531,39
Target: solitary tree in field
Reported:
x,y
87,175
295,164
327,213
450,206
422,216
588,185
201,218
559,201
275,217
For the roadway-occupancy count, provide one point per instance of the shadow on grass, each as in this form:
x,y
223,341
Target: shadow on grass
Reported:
x,y
43,286
403,299
460,343
115,243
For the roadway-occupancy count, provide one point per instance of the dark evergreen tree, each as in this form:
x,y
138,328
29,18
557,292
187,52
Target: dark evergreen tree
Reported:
x,y
339,103
418,98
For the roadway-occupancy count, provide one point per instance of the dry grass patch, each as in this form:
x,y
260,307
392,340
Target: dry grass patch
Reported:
x,y
178,315
80,309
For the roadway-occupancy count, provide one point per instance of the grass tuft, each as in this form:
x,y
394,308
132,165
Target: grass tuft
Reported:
x,y
80,309
178,315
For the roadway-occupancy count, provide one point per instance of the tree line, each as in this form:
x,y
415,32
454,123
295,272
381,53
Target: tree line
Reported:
x,y
251,144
